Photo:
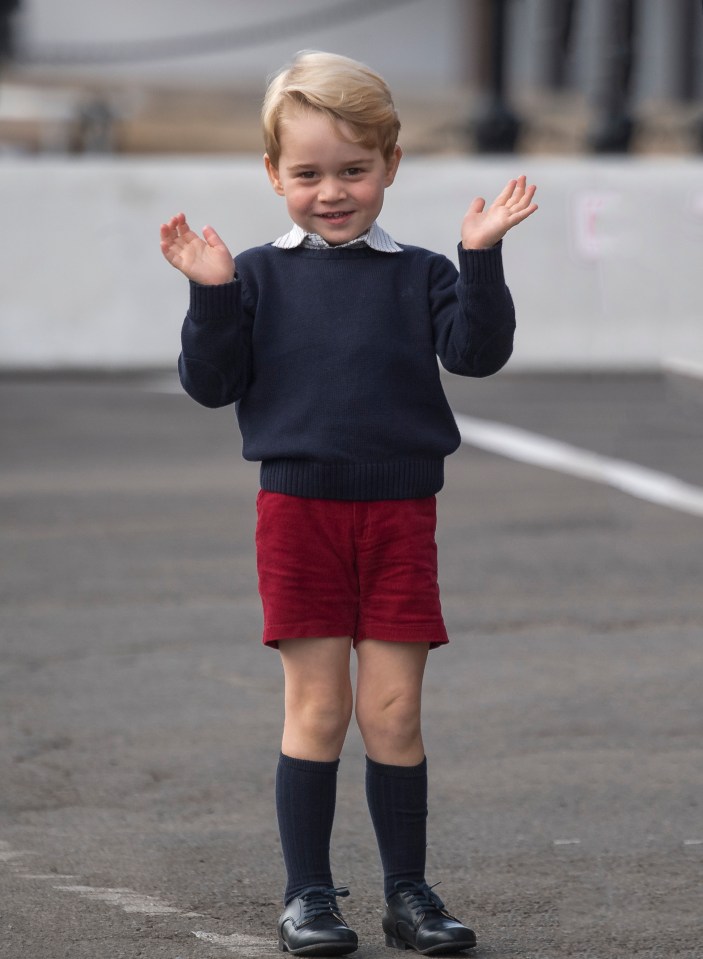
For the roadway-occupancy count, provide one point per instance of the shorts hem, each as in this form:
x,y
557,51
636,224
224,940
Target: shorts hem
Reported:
x,y
434,635
314,630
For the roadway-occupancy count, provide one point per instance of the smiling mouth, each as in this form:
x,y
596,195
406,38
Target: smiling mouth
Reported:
x,y
335,216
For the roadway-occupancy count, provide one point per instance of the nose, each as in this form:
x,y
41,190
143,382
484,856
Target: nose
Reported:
x,y
331,189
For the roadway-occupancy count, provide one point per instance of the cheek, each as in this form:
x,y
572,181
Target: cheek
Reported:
x,y
372,194
296,198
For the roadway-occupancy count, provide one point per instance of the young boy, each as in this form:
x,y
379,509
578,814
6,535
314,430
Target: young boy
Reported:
x,y
327,340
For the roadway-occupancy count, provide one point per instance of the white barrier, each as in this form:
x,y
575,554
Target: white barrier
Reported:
x,y
605,275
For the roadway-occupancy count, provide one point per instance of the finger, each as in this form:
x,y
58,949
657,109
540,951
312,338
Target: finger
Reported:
x,y
516,194
169,249
526,199
530,192
505,193
477,205
519,190
520,215
182,226
212,237
170,227
169,240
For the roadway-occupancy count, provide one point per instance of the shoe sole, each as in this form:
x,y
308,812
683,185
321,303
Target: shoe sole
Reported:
x,y
319,949
443,949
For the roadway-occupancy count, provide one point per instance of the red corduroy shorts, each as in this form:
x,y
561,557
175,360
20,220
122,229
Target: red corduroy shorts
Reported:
x,y
336,568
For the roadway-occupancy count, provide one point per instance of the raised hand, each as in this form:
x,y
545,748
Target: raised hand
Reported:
x,y
206,261
482,228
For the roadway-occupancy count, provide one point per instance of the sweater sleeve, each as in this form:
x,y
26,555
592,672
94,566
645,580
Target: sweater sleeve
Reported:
x,y
473,315
215,362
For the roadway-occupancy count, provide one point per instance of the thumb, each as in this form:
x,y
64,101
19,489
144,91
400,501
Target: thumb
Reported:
x,y
212,238
477,205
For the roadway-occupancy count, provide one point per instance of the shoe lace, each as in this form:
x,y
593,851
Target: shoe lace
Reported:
x,y
420,896
320,900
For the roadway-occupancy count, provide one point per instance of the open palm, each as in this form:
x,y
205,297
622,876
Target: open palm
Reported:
x,y
482,228
203,259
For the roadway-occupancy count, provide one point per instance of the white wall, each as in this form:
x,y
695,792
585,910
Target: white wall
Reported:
x,y
607,274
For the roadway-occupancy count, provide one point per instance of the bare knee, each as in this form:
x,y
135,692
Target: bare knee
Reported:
x,y
316,723
391,727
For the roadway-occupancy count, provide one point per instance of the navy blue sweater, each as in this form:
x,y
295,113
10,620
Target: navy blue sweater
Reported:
x,y
331,357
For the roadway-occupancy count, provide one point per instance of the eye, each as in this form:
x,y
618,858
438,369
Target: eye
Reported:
x,y
354,171
307,175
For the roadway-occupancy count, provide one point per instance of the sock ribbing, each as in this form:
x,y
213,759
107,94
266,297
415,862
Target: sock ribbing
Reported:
x,y
397,799
306,793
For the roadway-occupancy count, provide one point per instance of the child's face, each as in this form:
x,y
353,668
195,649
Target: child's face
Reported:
x,y
332,186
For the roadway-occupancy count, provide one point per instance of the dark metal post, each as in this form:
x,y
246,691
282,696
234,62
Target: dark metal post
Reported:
x,y
688,39
613,126
496,130
561,20
8,8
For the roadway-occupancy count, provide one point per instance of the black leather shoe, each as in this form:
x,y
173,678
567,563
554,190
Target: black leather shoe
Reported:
x,y
415,918
312,925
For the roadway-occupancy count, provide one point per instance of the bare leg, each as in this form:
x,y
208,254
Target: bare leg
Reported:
x,y
388,700
318,697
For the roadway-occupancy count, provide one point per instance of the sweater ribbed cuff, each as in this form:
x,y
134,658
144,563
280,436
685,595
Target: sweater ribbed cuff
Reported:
x,y
482,266
212,303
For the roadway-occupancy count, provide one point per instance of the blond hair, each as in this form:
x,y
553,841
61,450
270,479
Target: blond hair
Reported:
x,y
343,89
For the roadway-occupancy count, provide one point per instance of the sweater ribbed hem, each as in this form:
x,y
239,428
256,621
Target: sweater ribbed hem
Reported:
x,y
401,479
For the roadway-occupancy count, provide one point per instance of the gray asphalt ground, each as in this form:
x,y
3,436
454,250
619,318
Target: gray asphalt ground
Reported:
x,y
140,715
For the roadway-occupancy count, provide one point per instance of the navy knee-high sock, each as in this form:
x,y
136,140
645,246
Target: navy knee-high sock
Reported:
x,y
397,798
306,792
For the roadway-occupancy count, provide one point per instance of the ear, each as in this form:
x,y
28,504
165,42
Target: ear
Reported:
x,y
273,175
392,165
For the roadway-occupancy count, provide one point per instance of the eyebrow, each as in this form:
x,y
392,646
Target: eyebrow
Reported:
x,y
313,165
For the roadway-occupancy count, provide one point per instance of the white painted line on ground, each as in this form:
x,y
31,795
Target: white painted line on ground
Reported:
x,y
52,876
9,855
244,946
537,450
683,367
567,842
693,842
126,899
